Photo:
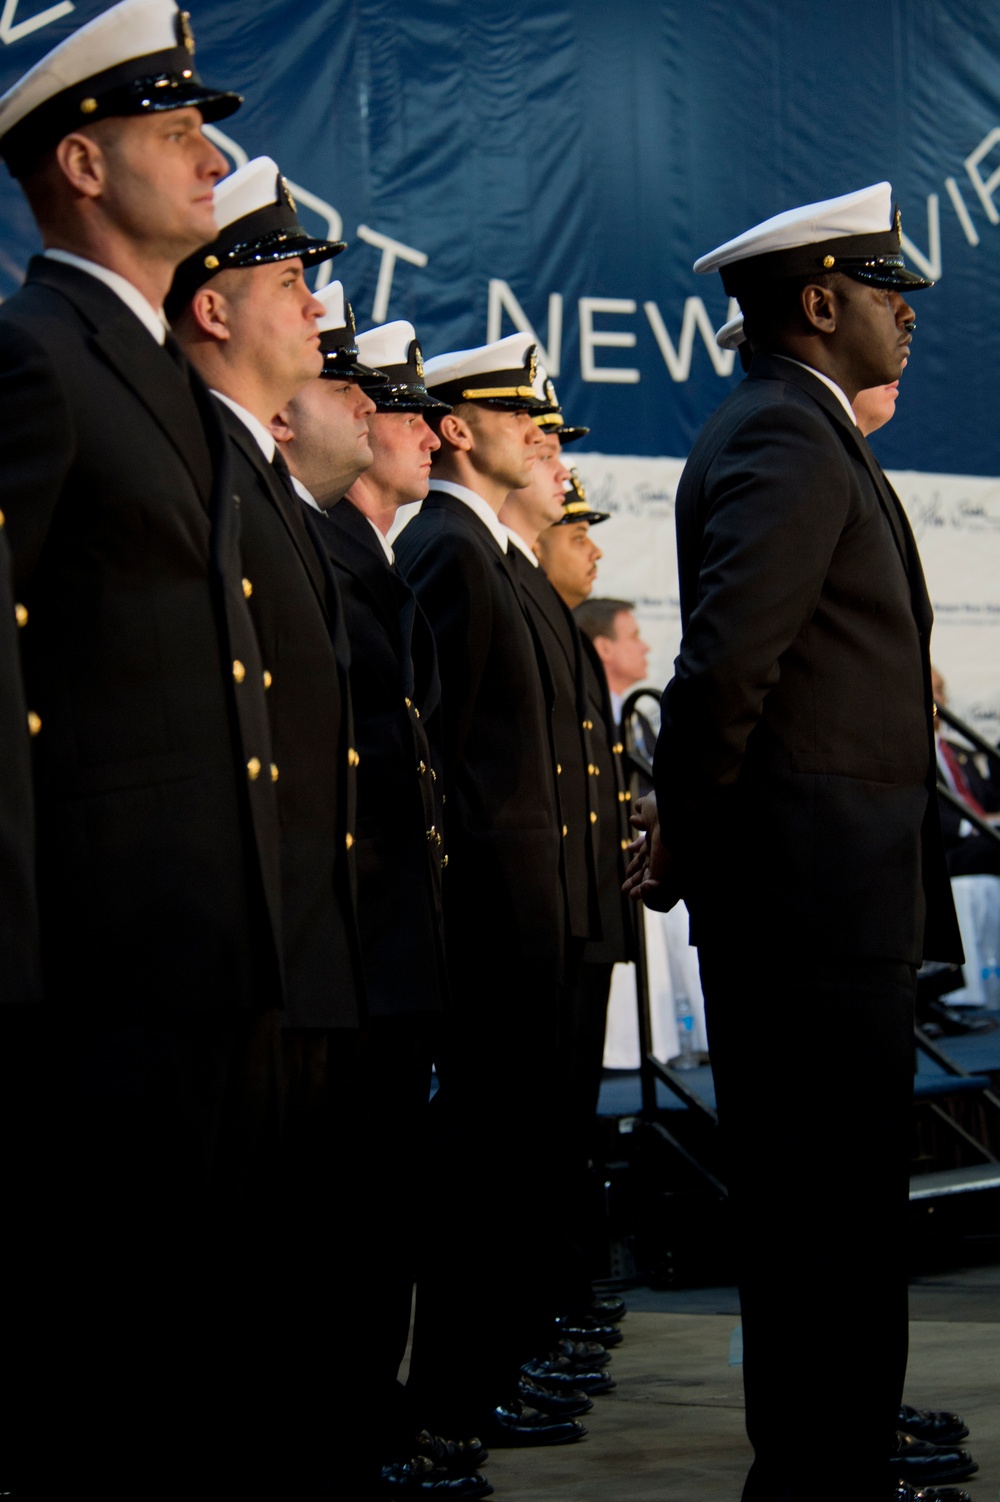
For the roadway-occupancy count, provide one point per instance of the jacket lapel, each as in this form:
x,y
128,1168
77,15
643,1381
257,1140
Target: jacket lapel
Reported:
x,y
281,500
356,549
771,367
774,367
160,382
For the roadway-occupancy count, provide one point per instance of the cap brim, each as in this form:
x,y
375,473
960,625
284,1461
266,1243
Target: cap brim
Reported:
x,y
351,370
214,104
593,517
893,278
390,398
287,248
569,435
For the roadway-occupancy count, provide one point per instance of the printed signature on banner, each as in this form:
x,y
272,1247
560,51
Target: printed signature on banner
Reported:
x,y
644,500
932,511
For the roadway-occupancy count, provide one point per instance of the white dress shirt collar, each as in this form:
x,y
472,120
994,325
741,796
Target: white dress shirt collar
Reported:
x,y
383,540
147,315
840,395
520,543
307,495
263,436
476,503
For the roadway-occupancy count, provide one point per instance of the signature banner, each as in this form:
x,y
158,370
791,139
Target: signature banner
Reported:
x,y
559,168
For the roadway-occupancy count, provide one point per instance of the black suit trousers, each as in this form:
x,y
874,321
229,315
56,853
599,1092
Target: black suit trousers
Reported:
x,y
814,1078
491,1249
145,1254
356,1106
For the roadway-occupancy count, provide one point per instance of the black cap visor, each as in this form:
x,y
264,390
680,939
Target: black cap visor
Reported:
x,y
579,511
341,363
393,397
280,245
553,423
886,271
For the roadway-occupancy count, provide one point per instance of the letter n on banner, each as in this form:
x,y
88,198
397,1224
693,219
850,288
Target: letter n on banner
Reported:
x,y
502,300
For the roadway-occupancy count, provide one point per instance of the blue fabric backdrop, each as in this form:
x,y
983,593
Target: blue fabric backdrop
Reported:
x,y
592,151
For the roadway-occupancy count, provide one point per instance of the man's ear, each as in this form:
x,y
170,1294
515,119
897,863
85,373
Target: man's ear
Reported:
x,y
210,313
602,646
280,425
455,431
83,164
820,305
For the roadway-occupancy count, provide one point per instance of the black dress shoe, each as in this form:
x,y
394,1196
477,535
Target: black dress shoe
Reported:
x,y
512,1425
585,1327
932,1423
458,1457
587,1353
568,1404
562,1376
905,1493
921,1463
608,1309
419,1478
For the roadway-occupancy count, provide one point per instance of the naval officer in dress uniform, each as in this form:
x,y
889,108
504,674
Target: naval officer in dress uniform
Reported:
x,y
157,852
244,314
526,512
794,780
569,558
503,894
374,407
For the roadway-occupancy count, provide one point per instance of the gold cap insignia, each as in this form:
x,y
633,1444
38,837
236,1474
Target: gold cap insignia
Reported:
x,y
185,36
88,106
550,394
897,225
828,262
212,263
532,365
418,362
286,190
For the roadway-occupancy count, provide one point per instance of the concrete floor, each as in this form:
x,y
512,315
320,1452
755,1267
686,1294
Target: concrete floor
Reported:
x,y
673,1429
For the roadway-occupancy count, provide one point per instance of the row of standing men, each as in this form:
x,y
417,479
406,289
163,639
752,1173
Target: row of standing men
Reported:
x,y
290,815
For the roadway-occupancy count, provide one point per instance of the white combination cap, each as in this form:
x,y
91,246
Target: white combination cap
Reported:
x,y
135,59
258,224
395,349
339,341
731,334
550,417
501,374
857,234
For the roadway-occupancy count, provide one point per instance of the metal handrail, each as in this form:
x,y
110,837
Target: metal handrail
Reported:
x,y
983,825
981,744
651,1068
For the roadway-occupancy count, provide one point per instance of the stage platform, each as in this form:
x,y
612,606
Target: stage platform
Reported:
x,y
976,1053
673,1429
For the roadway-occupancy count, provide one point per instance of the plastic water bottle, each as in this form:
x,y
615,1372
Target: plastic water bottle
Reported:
x,y
991,981
686,1058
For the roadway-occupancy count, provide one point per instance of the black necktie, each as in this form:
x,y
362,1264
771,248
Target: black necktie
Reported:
x,y
280,467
